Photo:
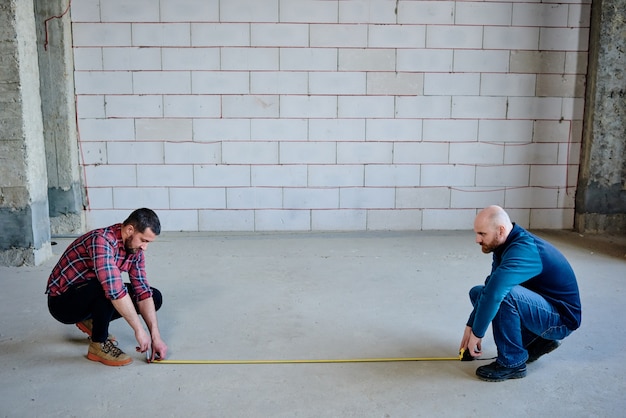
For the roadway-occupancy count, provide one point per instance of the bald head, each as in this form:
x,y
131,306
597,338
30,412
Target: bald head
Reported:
x,y
492,227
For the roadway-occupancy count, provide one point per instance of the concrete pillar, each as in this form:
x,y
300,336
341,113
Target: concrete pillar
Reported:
x,y
601,193
24,221
56,69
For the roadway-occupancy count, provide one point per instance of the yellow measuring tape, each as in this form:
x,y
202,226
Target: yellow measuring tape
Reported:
x,y
355,360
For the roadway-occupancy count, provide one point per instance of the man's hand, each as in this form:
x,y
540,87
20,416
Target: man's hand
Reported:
x,y
471,343
143,339
159,349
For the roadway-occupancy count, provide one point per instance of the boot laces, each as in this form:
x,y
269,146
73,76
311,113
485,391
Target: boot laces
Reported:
x,y
110,347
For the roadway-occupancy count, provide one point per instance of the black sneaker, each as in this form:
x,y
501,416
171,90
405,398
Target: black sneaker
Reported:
x,y
539,347
494,372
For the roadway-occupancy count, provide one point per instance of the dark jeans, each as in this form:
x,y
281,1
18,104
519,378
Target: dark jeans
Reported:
x,y
523,316
87,300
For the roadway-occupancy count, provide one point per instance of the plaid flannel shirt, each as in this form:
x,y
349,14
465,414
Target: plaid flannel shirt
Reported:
x,y
100,254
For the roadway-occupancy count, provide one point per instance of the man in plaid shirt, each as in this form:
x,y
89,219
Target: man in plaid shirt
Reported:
x,y
86,288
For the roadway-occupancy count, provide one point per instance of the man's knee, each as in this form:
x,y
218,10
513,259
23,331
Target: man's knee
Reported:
x,y
474,293
157,297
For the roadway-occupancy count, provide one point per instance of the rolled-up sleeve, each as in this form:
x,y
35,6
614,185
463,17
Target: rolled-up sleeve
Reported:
x,y
138,280
104,264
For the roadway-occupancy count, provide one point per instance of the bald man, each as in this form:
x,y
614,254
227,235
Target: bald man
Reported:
x,y
530,298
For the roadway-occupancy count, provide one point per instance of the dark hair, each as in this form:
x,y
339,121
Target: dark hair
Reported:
x,y
144,218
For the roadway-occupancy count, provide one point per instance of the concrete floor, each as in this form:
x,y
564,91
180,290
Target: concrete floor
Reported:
x,y
314,296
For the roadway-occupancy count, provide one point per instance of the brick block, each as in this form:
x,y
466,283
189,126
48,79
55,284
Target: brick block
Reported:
x,y
471,197
364,152
226,220
191,59
221,129
106,129
558,218
450,130
531,197
161,34
573,108
221,175
426,12
490,130
386,175
367,11
308,11
446,84
214,82
87,59
279,129
111,176
89,107
423,107
540,14
507,84
192,153
254,198
560,85
564,39
308,153
308,59
357,59
336,175
537,62
162,82
163,129
551,131
191,106
479,107
248,11
279,82
337,83
393,129
548,175
100,197
134,106
395,84
534,108
141,197
338,35
279,34
457,36
86,11
424,60
576,62
93,153
258,106
536,153
503,176
500,37
481,61
131,59
476,153
420,153
455,219
130,152
338,220
365,107
396,36
482,13
456,175
308,106
189,10
279,176
179,220
334,129
197,198
101,34
282,220
125,11
165,175
96,218
220,34
311,198
579,15
265,59
250,153
116,82
394,220
422,197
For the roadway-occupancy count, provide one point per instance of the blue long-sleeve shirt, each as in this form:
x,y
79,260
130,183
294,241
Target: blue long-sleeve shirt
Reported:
x,y
527,260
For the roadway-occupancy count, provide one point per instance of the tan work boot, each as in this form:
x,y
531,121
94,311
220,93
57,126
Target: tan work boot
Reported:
x,y
108,353
86,326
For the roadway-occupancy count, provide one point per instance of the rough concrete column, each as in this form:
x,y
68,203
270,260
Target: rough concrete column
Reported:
x,y
24,221
601,195
56,69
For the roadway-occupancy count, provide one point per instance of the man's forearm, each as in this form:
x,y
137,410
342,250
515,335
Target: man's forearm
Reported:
x,y
126,308
148,312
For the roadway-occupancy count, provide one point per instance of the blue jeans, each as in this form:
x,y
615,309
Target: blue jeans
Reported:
x,y
523,317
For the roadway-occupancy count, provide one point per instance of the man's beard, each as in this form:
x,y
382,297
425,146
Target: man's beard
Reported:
x,y
127,246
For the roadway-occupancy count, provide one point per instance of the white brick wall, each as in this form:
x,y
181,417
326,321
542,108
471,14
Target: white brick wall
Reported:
x,y
261,115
